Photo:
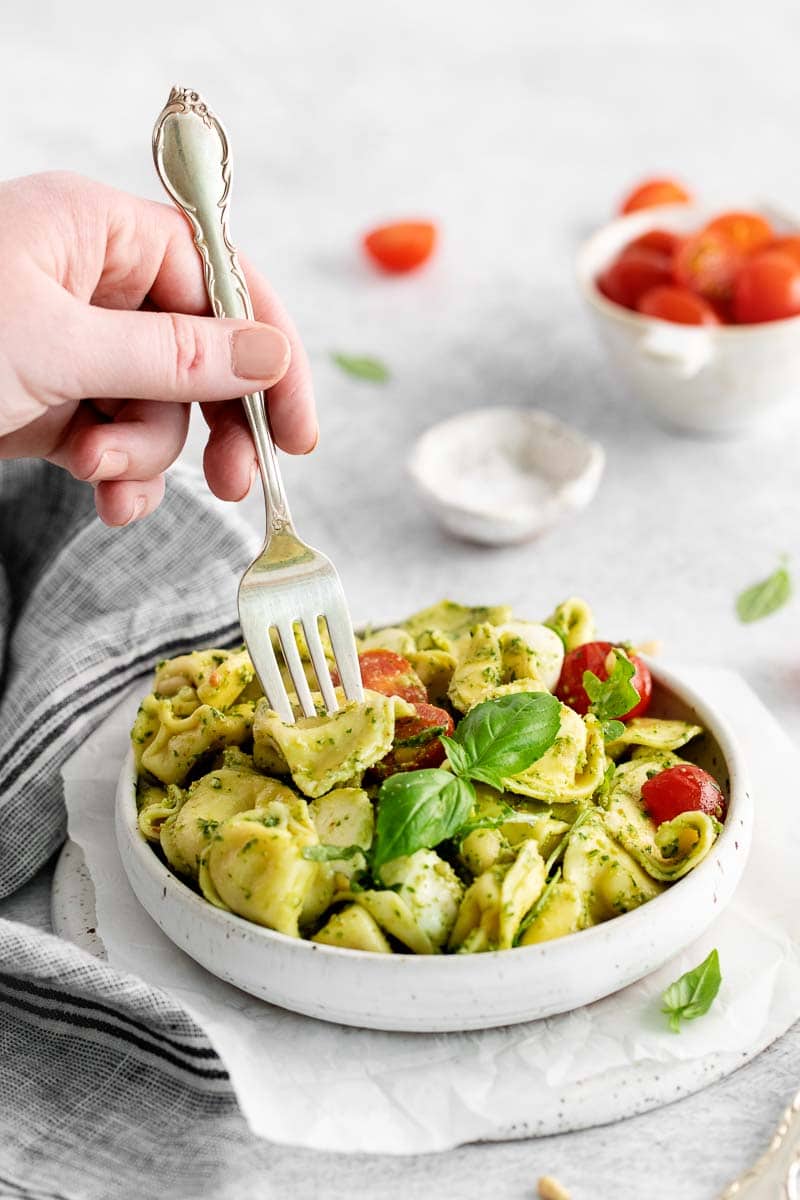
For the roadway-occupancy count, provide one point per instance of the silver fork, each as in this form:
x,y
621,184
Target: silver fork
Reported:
x,y
289,584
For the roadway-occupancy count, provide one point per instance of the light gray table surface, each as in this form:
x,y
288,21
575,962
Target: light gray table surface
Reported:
x,y
516,126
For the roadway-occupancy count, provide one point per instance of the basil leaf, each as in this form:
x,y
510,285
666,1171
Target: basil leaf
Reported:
x,y
693,994
459,759
503,737
613,730
417,810
362,367
325,852
615,696
765,597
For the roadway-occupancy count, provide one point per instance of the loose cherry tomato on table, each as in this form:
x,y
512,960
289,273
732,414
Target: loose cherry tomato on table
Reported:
x,y
652,192
595,657
677,304
400,247
633,273
416,741
661,240
768,288
390,674
748,231
707,263
787,245
680,789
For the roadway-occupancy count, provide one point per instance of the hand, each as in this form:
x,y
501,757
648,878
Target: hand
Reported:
x,y
104,343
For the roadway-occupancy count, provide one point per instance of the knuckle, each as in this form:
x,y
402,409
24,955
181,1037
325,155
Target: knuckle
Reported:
x,y
186,348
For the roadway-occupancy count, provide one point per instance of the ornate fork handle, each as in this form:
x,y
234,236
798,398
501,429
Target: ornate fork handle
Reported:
x,y
776,1175
193,161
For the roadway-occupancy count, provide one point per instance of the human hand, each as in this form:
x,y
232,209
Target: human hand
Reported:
x,y
104,343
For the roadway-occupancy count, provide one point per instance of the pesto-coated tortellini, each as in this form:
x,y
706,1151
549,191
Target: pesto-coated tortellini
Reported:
x,y
323,752
368,829
665,851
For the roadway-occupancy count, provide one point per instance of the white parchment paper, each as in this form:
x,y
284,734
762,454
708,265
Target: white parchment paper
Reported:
x,y
323,1086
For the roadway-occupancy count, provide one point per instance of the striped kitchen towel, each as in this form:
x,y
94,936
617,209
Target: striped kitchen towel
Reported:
x,y
107,1088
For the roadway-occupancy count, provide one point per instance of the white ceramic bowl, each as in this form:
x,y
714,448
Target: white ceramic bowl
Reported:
x,y
455,992
704,379
503,475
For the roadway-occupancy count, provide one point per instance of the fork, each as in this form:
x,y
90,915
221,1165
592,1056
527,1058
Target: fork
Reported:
x,y
289,586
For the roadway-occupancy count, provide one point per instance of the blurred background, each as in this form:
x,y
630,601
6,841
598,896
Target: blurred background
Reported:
x,y
516,127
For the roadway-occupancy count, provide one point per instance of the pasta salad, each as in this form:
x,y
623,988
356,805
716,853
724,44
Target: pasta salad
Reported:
x,y
504,782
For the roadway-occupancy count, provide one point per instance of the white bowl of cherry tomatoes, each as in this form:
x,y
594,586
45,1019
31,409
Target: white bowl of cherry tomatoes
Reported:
x,y
699,310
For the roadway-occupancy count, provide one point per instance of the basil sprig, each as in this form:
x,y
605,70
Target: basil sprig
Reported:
x,y
612,697
693,994
765,597
418,810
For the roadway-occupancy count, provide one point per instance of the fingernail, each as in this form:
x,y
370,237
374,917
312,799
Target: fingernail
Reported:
x,y
311,449
112,464
139,505
260,353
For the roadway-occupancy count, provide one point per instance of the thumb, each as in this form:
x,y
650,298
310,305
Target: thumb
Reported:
x,y
170,356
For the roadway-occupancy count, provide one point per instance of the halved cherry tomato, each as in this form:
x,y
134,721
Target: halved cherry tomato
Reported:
x,y
768,288
390,674
677,304
652,192
748,231
708,264
416,741
632,274
787,245
680,789
594,657
403,246
661,240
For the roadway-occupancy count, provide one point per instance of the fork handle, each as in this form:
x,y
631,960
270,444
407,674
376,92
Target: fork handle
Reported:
x,y
775,1175
193,161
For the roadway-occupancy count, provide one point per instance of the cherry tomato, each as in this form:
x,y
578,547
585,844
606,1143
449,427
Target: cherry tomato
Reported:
x,y
677,304
661,240
416,741
403,246
768,288
390,674
748,231
652,192
684,788
632,274
787,245
708,264
594,657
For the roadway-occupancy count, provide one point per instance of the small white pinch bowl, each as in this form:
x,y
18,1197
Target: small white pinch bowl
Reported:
x,y
504,475
455,992
705,379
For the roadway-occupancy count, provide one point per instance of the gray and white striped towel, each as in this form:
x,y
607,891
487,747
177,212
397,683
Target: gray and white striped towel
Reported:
x,y
107,1088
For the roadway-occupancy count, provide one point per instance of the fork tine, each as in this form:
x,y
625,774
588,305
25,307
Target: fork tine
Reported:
x,y
314,643
262,653
345,653
293,661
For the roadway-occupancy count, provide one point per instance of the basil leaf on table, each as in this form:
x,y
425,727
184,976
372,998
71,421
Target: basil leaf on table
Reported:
x,y
693,994
612,697
766,597
501,738
362,367
417,810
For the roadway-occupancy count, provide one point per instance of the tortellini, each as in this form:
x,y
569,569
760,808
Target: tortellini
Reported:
x,y
280,823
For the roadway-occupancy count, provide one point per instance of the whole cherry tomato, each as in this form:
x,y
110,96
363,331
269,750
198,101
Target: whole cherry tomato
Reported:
x,y
708,264
680,789
652,192
390,674
677,304
632,274
768,288
596,657
661,240
748,231
403,246
416,741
